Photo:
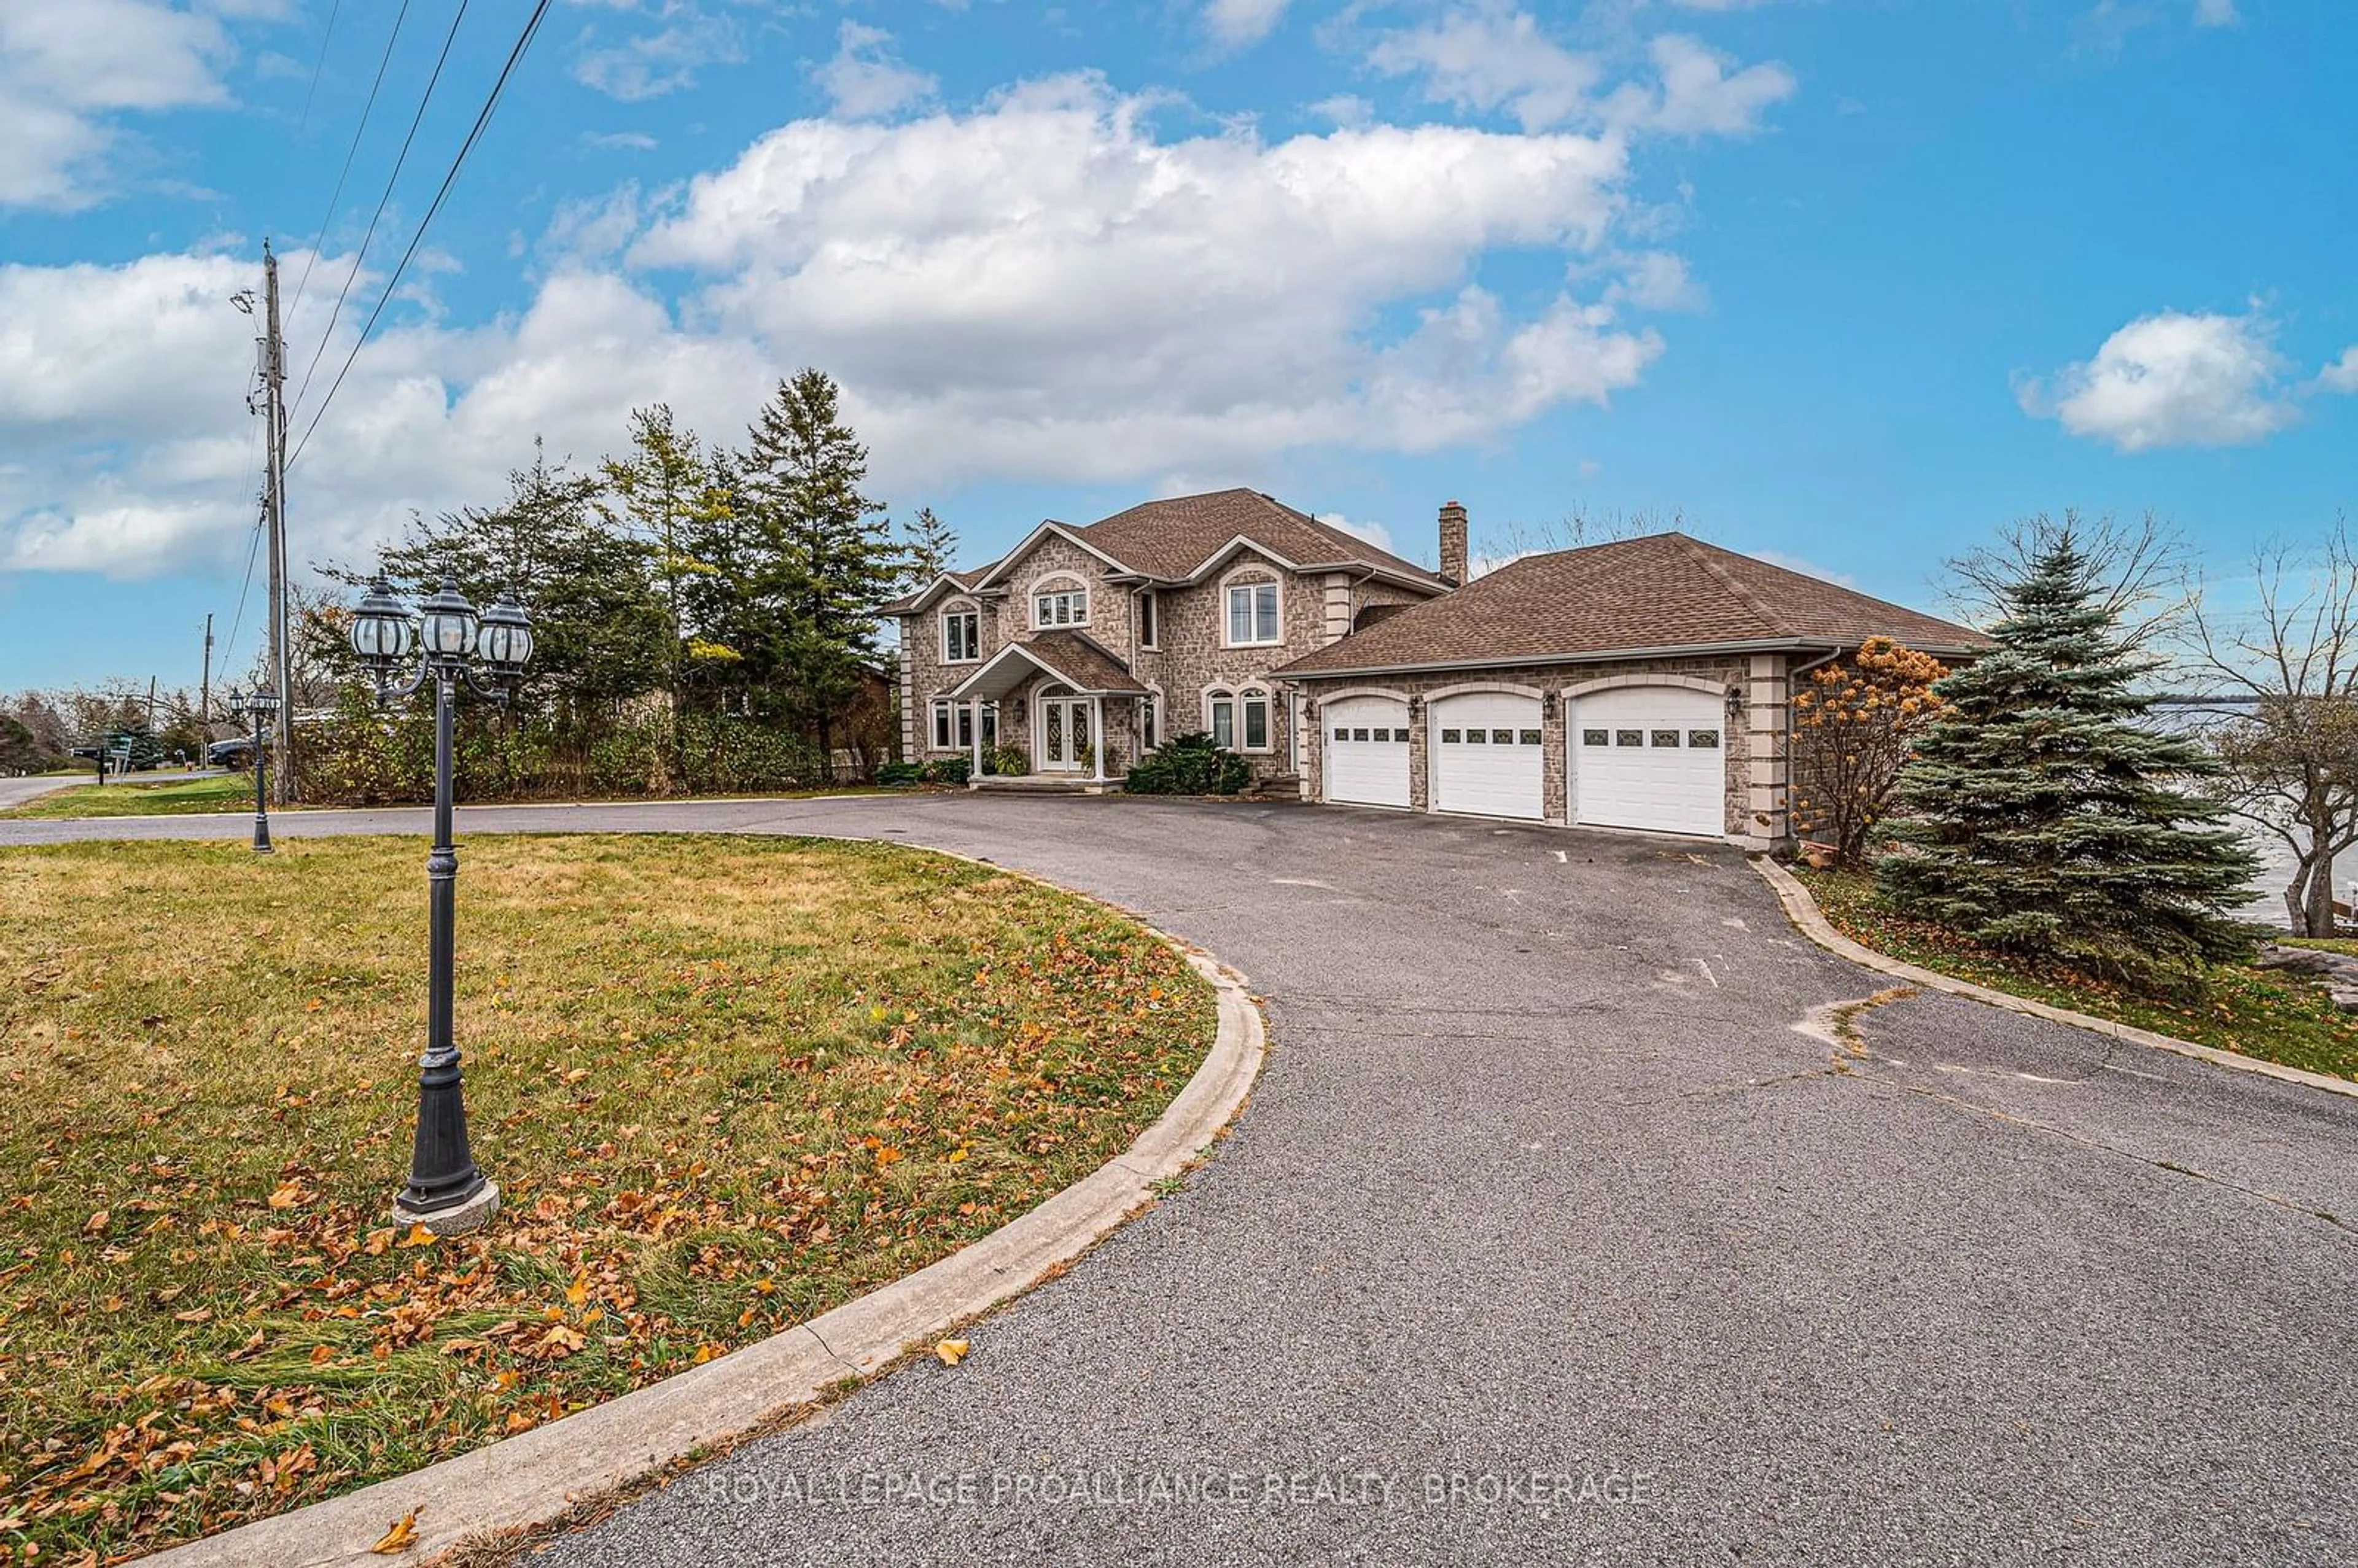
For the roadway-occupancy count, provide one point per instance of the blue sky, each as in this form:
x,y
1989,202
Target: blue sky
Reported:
x,y
1847,284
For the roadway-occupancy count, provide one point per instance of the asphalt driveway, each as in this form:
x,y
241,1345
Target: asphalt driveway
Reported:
x,y
1558,1231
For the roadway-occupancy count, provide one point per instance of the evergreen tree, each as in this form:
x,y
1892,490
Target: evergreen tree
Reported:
x,y
830,556
929,546
599,625
2042,815
665,494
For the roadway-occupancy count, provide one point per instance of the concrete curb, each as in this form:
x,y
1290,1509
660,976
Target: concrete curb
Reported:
x,y
1803,912
534,1479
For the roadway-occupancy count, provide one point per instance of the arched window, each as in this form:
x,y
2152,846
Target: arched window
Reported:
x,y
1220,716
1239,720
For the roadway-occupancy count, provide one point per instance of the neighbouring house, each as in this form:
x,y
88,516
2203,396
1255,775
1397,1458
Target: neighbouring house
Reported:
x,y
1085,646
1644,684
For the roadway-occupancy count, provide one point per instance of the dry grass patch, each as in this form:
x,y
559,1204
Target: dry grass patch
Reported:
x,y
726,1084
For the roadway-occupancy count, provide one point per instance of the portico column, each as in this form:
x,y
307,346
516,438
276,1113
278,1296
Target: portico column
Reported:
x,y
1098,737
974,721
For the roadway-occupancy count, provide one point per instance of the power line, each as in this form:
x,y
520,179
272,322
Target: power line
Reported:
x,y
358,131
523,42
361,256
319,65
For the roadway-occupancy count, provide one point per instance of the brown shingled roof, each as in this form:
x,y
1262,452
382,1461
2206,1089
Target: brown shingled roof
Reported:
x,y
1665,592
1170,538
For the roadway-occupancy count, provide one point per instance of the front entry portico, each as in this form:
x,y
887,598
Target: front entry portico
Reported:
x,y
1056,686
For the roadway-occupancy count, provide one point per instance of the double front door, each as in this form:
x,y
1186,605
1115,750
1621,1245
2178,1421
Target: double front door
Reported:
x,y
1066,744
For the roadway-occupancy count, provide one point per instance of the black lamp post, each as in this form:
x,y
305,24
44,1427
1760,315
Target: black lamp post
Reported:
x,y
260,708
446,1192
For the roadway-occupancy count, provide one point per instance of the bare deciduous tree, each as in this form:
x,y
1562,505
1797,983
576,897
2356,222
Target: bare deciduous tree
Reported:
x,y
2284,714
1574,530
2145,569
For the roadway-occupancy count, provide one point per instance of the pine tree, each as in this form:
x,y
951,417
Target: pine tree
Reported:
x,y
2042,815
831,558
929,546
666,494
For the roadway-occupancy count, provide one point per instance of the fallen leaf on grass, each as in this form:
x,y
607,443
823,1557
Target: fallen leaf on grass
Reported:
x,y
400,1538
951,1351
287,1194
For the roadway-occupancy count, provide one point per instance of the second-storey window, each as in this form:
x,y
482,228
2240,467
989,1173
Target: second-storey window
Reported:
x,y
1252,614
961,637
1061,607
1146,633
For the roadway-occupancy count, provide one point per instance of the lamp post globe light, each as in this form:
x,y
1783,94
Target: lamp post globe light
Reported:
x,y
260,706
446,1192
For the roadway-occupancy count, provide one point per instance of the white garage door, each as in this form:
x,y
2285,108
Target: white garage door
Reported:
x,y
1652,757
1487,755
1367,751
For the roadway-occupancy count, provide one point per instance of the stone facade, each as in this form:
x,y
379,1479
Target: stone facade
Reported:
x,y
1754,738
1188,662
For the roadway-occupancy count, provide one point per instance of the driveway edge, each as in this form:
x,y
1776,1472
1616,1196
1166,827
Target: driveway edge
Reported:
x,y
537,1477
1803,912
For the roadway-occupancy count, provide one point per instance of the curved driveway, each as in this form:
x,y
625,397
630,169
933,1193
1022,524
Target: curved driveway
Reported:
x,y
1543,1193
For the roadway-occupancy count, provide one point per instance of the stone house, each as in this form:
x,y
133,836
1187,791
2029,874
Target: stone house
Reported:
x,y
1085,646
1643,683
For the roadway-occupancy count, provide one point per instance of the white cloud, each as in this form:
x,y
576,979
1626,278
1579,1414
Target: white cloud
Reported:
x,y
68,70
648,65
619,141
865,79
1375,534
1237,23
2172,378
1346,109
1040,289
2341,374
1700,98
2215,14
1487,59
1657,280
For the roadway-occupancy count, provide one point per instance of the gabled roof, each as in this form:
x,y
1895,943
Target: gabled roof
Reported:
x,y
1176,539
1068,656
949,582
1660,593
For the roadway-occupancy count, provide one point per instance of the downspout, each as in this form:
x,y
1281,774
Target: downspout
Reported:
x,y
1792,672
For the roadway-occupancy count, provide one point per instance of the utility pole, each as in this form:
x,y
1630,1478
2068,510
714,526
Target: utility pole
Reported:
x,y
205,685
274,388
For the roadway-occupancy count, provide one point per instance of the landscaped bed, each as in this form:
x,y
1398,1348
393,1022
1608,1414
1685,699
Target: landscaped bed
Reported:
x,y
725,1084
164,796
2246,1011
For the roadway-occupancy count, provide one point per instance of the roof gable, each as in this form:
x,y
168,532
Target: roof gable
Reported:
x,y
1661,593
1180,537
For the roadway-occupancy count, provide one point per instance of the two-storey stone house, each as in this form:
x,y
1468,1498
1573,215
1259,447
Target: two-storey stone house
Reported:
x,y
1085,646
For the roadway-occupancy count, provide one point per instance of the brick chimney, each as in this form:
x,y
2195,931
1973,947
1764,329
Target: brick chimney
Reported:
x,y
1453,543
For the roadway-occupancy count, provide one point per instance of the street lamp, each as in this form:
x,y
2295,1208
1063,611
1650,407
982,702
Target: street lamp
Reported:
x,y
445,1194
260,706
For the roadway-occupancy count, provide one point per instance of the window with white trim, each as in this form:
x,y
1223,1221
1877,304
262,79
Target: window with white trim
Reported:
x,y
1252,615
961,636
1255,718
942,726
1060,606
1149,634
1220,711
1150,723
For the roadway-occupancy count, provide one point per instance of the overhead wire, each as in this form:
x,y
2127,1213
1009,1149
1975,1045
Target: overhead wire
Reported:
x,y
384,198
482,119
368,106
327,36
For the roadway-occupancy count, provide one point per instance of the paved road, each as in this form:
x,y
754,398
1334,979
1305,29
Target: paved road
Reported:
x,y
17,791
1543,1178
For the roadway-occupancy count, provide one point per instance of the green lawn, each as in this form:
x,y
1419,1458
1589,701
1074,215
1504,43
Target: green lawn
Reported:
x,y
161,797
725,1085
2248,1011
